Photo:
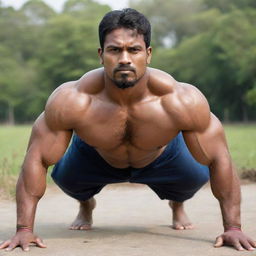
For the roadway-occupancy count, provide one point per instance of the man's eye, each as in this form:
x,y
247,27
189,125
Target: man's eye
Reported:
x,y
114,50
134,50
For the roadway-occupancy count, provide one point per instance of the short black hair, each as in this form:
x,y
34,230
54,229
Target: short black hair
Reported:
x,y
126,18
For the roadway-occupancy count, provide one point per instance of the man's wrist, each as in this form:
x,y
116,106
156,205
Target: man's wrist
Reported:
x,y
232,227
25,228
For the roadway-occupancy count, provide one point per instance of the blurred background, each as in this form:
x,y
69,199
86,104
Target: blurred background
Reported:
x,y
208,43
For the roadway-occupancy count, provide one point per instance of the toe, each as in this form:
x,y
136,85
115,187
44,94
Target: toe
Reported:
x,y
74,227
178,227
85,227
188,226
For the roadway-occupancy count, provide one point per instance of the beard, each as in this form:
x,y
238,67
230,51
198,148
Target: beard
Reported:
x,y
123,82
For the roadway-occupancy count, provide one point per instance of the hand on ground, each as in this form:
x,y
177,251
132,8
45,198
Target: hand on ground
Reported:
x,y
236,239
22,239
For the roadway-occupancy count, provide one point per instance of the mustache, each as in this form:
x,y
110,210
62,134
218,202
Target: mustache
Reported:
x,y
124,68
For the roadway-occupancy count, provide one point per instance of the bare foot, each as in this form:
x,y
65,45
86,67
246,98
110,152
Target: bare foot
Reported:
x,y
83,220
179,216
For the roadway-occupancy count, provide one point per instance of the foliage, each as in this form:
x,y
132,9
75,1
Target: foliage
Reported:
x,y
251,96
208,43
69,40
40,49
213,47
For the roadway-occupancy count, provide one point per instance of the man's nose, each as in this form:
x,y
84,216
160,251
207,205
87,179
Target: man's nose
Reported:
x,y
124,58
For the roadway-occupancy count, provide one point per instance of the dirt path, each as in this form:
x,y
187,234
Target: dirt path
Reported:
x,y
129,220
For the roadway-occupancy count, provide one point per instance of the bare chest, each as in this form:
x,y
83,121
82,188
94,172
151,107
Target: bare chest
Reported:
x,y
146,127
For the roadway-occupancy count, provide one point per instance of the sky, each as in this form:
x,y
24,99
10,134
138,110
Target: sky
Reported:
x,y
57,4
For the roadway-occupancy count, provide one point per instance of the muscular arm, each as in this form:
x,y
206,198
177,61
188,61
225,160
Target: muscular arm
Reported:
x,y
50,137
206,141
45,148
209,147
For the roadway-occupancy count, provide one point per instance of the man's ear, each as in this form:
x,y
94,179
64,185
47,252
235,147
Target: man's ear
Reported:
x,y
149,54
100,53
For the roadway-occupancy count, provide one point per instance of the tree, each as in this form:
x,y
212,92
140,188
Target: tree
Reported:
x,y
175,20
234,40
69,45
88,9
15,84
251,96
214,49
37,12
227,6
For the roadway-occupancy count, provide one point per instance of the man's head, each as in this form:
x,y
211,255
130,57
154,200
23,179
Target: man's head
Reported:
x,y
125,46
126,18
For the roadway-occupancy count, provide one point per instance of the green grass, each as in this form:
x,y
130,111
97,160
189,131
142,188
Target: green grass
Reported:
x,y
13,143
14,140
242,144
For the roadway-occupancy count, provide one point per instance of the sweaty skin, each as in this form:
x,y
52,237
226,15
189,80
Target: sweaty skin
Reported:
x,y
128,127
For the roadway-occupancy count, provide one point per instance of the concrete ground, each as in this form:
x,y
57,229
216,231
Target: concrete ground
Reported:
x,y
129,220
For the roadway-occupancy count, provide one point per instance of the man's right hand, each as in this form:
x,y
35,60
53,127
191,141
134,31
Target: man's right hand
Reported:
x,y
22,239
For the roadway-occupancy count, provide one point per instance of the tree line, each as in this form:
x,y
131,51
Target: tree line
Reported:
x,y
208,43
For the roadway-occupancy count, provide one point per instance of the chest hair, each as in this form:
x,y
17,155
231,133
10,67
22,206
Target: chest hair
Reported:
x,y
128,132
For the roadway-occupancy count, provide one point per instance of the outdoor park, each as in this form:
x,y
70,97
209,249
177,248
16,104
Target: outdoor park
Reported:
x,y
207,43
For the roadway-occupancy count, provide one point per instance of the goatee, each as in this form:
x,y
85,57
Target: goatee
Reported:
x,y
124,83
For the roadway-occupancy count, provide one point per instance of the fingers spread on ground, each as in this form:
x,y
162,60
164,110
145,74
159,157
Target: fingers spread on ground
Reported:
x,y
11,246
25,248
238,246
247,245
252,243
5,244
218,242
40,243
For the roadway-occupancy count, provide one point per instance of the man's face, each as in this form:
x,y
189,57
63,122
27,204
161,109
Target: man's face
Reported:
x,y
125,57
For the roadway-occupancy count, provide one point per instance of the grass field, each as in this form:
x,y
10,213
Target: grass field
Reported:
x,y
13,143
242,143
14,139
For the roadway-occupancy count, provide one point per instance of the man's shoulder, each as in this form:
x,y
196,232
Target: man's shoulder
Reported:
x,y
72,99
77,92
194,104
184,102
165,85
160,82
63,105
91,82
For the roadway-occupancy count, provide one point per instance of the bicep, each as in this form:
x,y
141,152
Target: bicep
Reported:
x,y
46,145
209,145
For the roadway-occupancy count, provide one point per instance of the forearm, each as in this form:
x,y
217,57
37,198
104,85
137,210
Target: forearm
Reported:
x,y
226,188
30,188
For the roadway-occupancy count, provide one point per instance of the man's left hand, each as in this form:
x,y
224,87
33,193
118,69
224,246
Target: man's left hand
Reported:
x,y
237,239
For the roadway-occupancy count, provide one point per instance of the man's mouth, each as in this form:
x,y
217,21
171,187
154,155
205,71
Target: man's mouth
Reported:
x,y
124,69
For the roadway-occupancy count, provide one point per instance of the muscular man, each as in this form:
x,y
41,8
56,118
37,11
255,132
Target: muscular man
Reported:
x,y
129,123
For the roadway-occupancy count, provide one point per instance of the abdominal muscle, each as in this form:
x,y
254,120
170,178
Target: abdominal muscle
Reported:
x,y
125,156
